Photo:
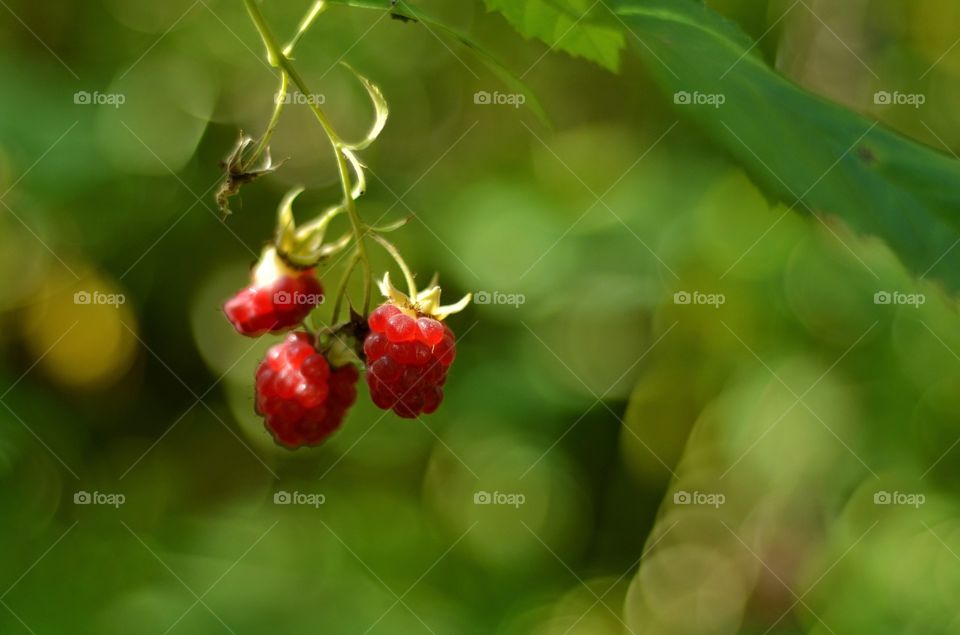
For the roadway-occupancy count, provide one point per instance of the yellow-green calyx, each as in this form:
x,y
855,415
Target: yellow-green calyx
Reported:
x,y
271,267
426,302
303,246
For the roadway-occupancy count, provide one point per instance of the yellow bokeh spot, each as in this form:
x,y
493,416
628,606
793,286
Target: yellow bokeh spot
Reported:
x,y
81,333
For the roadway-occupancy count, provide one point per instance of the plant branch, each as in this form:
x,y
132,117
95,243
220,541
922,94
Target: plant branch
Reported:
x,y
274,121
395,254
316,9
276,57
342,286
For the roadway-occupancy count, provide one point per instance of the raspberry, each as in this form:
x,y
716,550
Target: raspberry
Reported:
x,y
407,360
278,298
301,398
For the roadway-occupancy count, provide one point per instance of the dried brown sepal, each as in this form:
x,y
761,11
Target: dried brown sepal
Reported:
x,y
239,169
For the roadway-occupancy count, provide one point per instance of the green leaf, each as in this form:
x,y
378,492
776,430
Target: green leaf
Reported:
x,y
805,150
406,13
582,28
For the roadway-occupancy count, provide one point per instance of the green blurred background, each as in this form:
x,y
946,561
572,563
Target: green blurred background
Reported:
x,y
783,461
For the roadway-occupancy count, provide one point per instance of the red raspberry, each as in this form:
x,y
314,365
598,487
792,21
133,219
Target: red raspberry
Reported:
x,y
407,360
301,398
278,298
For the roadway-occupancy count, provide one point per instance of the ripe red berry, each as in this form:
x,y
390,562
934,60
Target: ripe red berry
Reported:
x,y
278,298
407,360
302,400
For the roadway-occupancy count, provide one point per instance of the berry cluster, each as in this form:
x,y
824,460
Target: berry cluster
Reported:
x,y
301,393
407,360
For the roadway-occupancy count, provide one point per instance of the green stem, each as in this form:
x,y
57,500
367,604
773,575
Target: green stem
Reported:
x,y
316,9
276,57
395,254
342,287
274,121
359,228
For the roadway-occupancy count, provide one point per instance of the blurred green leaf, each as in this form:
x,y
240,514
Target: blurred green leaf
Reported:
x,y
405,12
581,28
813,154
817,156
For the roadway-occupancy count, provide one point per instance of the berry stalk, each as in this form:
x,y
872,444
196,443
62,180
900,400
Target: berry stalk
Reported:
x,y
391,249
318,7
278,58
274,121
342,287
